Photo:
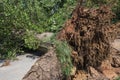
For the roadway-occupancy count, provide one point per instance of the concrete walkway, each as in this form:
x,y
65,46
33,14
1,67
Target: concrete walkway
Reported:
x,y
17,69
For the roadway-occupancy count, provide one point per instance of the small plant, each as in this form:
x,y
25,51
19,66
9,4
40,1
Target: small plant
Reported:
x,y
63,52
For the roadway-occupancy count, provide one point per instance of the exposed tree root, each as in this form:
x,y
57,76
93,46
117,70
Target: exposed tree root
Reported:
x,y
90,33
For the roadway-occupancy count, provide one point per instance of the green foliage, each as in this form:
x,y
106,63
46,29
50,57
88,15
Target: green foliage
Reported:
x,y
60,13
64,55
41,15
11,29
30,41
17,16
9,45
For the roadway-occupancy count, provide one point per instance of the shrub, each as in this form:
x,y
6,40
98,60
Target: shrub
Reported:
x,y
30,41
13,25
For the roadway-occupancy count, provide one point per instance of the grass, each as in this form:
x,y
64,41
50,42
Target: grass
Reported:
x,y
63,52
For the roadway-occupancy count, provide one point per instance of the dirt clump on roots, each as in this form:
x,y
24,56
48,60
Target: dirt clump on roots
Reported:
x,y
90,33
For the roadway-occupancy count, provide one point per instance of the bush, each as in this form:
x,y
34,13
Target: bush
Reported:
x,y
13,24
30,41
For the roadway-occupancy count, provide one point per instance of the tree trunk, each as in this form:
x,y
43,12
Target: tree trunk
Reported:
x,y
47,67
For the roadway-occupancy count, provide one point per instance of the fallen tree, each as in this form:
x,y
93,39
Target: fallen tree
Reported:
x,y
89,33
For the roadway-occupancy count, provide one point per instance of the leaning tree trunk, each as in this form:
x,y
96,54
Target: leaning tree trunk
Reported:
x,y
47,67
89,33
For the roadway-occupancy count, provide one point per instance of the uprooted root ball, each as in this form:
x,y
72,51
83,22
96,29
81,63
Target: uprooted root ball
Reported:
x,y
89,33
